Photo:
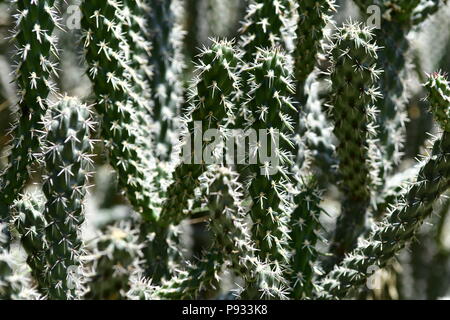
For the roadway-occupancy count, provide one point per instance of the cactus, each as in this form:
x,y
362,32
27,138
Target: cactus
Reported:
x,y
304,235
36,55
117,255
304,124
271,86
439,97
211,99
402,222
166,37
120,112
69,164
31,223
313,18
353,76
266,25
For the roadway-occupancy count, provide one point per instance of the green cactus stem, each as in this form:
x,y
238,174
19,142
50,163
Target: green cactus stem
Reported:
x,y
36,56
313,18
402,222
439,98
305,233
127,141
353,76
68,163
29,219
212,97
271,192
265,26
166,36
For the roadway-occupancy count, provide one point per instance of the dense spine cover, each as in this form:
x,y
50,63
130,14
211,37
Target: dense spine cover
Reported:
x,y
354,75
68,164
403,220
167,60
36,56
304,236
119,106
266,25
271,192
211,98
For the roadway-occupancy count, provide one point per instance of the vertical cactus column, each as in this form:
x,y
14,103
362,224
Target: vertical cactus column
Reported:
x,y
212,97
408,214
232,235
353,76
136,32
68,163
304,235
128,142
312,126
36,56
166,35
271,184
398,17
313,18
29,219
117,255
266,25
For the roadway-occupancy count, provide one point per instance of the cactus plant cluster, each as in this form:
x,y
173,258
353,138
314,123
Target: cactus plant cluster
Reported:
x,y
140,188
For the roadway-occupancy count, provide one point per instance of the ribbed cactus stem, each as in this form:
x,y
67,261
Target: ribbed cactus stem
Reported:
x,y
117,255
166,36
36,56
439,97
68,164
136,32
232,246
120,107
232,235
271,186
28,213
403,220
212,97
313,17
266,25
353,76
304,235
397,20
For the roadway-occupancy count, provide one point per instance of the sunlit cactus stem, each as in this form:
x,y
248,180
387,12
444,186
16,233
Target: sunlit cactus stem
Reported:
x,y
68,163
405,217
354,76
36,54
